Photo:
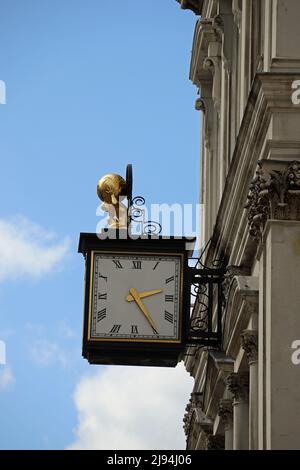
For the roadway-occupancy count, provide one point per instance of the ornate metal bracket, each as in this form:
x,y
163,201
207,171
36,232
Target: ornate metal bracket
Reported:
x,y
207,303
136,212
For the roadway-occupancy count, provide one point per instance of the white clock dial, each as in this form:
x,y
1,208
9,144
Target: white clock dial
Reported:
x,y
135,297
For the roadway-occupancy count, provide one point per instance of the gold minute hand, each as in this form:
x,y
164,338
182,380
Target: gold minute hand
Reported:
x,y
147,293
137,299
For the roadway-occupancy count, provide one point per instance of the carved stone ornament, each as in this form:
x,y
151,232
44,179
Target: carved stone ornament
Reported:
x,y
210,30
194,5
226,412
238,384
196,401
206,106
274,194
212,64
218,26
200,105
231,272
249,342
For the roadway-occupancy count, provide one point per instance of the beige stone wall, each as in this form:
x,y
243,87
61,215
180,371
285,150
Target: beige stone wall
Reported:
x,y
245,58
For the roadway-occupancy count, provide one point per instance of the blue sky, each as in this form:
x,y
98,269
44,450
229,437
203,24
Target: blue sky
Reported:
x,y
91,86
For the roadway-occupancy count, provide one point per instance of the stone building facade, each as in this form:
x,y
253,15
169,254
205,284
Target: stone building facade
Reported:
x,y
245,63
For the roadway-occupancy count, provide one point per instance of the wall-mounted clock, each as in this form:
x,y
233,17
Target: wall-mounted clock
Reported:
x,y
136,300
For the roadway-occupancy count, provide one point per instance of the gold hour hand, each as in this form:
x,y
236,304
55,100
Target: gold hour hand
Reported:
x,y
137,299
147,293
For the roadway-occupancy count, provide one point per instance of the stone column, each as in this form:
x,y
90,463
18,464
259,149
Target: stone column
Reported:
x,y
279,328
274,222
238,384
249,341
226,415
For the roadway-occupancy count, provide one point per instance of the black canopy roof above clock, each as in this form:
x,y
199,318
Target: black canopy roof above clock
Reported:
x,y
91,241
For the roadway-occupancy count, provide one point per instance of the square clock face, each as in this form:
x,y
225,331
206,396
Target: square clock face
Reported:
x,y
135,297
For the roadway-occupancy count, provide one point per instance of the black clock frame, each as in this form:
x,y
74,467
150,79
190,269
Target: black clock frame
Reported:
x,y
164,354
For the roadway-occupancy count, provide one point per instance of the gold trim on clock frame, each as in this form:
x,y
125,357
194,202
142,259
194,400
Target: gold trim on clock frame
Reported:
x,y
132,340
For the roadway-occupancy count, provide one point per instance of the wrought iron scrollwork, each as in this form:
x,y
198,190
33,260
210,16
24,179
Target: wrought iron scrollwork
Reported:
x,y
136,211
137,215
206,301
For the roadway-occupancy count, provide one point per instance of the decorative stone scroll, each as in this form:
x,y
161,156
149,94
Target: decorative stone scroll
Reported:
x,y
206,106
274,194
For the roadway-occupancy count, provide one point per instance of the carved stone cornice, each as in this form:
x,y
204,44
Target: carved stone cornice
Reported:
x,y
194,5
226,412
249,342
274,194
238,384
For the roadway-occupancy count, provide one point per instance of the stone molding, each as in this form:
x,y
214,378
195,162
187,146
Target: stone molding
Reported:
x,y
270,94
231,272
218,25
241,303
196,401
249,342
219,366
212,64
206,106
237,13
274,194
226,412
206,42
238,384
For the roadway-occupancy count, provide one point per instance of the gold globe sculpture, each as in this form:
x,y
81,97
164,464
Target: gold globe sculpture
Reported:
x,y
111,189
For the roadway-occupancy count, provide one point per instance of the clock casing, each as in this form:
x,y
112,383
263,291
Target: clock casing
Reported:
x,y
136,308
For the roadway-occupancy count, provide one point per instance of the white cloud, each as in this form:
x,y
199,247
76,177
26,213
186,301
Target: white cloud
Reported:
x,y
132,408
26,249
7,378
47,353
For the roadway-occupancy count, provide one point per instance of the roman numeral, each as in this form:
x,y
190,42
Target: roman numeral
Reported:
x,y
169,317
101,314
156,265
102,296
169,298
115,329
170,279
118,264
134,330
103,277
137,265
